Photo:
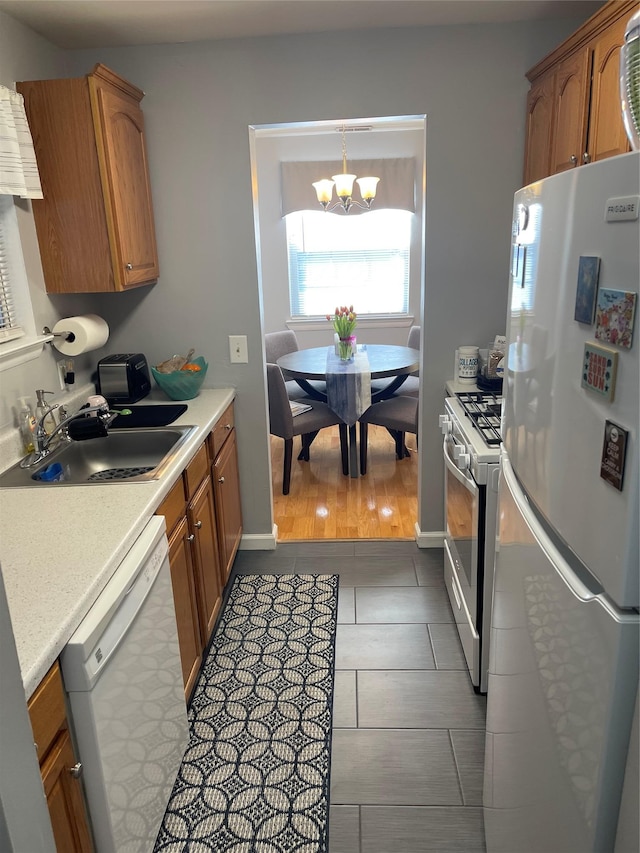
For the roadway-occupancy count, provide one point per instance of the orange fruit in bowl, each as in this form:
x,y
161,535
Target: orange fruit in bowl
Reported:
x,y
193,368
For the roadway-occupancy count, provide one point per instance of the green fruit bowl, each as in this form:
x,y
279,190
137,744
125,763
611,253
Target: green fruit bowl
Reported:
x,y
182,384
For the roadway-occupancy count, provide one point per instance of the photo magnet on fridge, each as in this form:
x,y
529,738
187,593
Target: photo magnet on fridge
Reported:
x,y
614,317
614,450
599,367
588,273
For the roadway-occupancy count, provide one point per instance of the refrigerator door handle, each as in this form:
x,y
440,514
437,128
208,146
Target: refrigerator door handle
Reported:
x,y
570,579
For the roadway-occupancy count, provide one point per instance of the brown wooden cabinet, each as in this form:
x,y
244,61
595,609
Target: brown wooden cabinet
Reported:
x,y
573,106
95,224
186,604
202,524
607,136
226,484
195,562
539,129
58,765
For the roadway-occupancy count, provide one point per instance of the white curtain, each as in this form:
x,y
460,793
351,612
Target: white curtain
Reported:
x,y
396,188
18,168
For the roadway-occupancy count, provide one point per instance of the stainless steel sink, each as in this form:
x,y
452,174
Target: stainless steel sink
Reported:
x,y
125,455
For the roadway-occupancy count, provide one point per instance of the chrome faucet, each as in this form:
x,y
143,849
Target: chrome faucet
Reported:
x,y
42,439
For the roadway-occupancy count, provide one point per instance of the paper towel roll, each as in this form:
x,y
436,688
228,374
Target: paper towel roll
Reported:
x,y
80,334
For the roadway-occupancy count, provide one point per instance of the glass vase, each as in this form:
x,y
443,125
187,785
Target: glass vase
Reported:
x,y
347,348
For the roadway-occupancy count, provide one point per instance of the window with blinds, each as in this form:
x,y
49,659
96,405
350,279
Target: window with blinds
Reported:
x,y
16,316
340,260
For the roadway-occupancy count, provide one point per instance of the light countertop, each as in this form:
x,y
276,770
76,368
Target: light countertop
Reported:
x,y
454,386
60,545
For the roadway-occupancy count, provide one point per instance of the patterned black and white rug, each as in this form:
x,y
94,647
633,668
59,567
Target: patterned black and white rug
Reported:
x,y
255,776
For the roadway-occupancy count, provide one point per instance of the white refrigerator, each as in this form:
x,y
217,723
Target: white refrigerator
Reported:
x,y
563,669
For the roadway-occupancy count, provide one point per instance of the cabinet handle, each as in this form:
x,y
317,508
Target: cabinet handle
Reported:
x,y
573,160
129,266
198,524
586,157
191,537
76,770
228,426
221,479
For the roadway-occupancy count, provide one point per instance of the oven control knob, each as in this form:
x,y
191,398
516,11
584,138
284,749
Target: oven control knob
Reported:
x,y
463,460
444,421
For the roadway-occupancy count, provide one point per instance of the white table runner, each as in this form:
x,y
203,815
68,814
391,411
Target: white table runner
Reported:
x,y
348,385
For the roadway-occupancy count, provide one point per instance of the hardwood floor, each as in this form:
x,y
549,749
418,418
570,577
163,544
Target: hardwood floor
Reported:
x,y
324,504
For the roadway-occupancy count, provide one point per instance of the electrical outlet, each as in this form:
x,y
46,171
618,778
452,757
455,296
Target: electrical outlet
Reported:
x,y
238,349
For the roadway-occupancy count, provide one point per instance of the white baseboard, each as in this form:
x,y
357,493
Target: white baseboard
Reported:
x,y
268,541
259,541
433,539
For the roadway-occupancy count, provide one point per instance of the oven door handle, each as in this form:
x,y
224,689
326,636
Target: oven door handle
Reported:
x,y
467,481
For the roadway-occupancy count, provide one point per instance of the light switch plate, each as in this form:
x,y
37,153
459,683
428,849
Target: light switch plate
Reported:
x,y
238,351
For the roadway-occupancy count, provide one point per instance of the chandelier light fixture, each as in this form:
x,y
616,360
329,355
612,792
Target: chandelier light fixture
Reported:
x,y
344,186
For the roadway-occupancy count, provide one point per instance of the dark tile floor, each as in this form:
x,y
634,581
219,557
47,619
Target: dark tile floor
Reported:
x,y
408,737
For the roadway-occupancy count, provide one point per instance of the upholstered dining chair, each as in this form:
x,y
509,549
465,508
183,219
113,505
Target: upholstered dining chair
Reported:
x,y
411,385
398,414
307,424
277,344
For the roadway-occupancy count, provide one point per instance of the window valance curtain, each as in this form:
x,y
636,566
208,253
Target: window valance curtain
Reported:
x,y
396,189
18,168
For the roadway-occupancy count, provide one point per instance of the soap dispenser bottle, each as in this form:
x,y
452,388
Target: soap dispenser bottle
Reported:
x,y
48,420
27,425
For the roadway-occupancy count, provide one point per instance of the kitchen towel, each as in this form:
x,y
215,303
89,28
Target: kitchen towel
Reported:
x,y
75,335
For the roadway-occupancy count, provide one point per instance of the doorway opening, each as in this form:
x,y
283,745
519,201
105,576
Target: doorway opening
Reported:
x,y
322,503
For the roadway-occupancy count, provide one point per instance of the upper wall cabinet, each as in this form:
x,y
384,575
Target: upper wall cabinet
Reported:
x,y
573,106
95,224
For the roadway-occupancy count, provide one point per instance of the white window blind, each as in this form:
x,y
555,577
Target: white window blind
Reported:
x,y
9,325
342,260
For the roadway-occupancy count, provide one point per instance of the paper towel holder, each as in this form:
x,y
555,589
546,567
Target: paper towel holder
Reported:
x,y
67,336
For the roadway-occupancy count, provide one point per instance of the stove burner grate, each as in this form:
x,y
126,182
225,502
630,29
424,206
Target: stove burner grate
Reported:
x,y
484,410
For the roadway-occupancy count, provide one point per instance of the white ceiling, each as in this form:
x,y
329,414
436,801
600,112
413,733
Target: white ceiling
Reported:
x,y
110,23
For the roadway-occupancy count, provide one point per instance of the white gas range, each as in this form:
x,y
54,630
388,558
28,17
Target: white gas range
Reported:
x,y
471,453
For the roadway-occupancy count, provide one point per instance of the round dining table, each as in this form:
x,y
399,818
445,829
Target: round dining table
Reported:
x,y
385,361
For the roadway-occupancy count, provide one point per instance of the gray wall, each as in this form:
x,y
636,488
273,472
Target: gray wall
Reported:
x,y
200,100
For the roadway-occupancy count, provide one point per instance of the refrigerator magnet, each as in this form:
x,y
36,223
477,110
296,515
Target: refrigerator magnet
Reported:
x,y
588,274
615,313
614,450
599,367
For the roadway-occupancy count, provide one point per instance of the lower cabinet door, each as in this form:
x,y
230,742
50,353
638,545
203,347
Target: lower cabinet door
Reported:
x,y
185,601
64,798
226,481
202,523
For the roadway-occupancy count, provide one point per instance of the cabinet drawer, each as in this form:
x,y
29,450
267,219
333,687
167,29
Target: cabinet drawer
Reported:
x,y
173,506
47,710
221,431
196,470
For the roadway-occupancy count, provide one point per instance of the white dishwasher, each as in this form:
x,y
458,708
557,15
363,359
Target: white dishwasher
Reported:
x,y
122,672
